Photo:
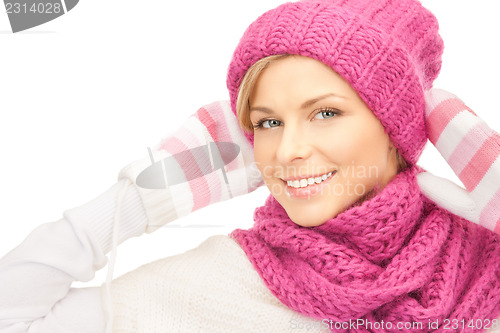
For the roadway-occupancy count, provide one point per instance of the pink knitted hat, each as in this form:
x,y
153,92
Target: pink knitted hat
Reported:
x,y
388,50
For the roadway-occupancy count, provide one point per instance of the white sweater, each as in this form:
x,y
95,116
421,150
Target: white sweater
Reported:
x,y
213,288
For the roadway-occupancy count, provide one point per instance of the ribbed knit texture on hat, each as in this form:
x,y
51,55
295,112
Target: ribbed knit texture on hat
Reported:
x,y
388,50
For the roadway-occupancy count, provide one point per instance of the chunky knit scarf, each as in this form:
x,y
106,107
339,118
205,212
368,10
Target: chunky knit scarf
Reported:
x,y
394,258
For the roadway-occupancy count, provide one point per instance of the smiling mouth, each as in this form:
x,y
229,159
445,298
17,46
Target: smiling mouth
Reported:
x,y
304,182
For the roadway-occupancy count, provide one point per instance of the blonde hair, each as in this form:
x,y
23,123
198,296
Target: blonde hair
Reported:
x,y
246,89
401,162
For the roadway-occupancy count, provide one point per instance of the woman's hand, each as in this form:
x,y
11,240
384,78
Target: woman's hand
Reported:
x,y
472,150
205,161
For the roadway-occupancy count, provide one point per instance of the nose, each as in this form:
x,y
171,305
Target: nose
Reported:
x,y
294,145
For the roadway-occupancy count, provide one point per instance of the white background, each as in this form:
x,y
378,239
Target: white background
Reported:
x,y
87,93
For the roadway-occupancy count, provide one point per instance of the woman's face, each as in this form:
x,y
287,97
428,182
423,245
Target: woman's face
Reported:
x,y
318,146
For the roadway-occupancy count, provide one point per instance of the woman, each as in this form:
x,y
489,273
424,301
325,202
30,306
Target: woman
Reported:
x,y
337,120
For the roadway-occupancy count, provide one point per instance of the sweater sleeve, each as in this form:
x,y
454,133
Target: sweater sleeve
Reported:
x,y
36,276
472,149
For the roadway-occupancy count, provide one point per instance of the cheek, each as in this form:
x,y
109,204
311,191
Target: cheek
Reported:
x,y
344,146
263,154
361,152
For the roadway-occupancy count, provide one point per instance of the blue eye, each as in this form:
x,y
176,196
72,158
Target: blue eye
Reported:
x,y
268,123
325,114
271,123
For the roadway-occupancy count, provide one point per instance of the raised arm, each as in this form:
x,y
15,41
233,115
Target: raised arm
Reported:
x,y
472,149
35,277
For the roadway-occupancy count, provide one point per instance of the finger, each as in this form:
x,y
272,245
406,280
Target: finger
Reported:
x,y
448,195
434,97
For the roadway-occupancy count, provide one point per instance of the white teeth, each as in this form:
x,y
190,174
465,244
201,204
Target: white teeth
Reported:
x,y
308,181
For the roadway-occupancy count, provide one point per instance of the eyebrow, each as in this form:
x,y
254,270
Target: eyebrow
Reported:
x,y
304,105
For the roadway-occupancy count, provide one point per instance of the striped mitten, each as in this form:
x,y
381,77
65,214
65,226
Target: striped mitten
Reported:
x,y
472,150
206,161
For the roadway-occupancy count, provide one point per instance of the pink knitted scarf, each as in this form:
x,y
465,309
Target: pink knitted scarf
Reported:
x,y
394,258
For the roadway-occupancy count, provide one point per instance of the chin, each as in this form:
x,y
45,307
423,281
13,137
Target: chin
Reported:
x,y
309,223
305,220
315,214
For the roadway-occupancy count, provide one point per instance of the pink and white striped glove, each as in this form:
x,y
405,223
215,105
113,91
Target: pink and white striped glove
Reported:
x,y
472,150
193,161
